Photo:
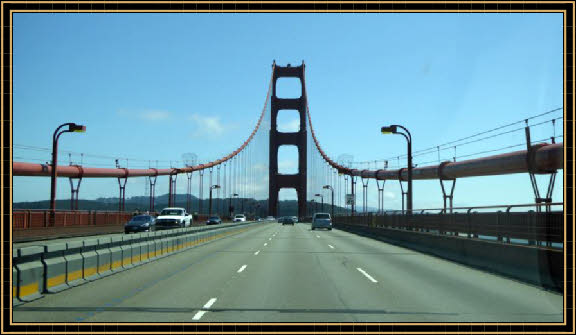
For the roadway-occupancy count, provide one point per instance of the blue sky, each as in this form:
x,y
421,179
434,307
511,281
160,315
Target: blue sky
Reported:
x,y
155,86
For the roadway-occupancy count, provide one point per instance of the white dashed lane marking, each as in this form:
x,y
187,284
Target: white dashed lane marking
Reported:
x,y
199,314
330,246
256,253
242,268
367,275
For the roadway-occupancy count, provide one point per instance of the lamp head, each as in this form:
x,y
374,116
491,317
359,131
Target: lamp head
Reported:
x,y
389,130
77,128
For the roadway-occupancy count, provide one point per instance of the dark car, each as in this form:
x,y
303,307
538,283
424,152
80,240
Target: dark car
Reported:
x,y
140,223
287,220
213,220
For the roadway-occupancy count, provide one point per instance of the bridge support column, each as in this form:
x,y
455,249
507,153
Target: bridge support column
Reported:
x,y
172,187
299,139
189,192
74,189
380,195
152,182
122,198
445,195
200,190
352,185
365,195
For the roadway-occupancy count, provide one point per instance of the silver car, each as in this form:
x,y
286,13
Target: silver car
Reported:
x,y
322,220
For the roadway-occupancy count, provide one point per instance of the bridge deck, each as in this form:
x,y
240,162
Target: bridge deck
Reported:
x,y
299,275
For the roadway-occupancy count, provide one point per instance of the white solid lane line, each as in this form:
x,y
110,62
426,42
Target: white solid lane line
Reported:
x,y
199,314
330,246
256,253
242,268
367,275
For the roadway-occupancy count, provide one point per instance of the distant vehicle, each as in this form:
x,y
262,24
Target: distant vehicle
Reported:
x,y
280,219
239,218
287,220
257,218
269,218
322,220
213,220
173,217
140,223
295,218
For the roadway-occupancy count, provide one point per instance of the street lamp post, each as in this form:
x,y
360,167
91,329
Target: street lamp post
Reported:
x,y
328,187
213,187
235,195
72,128
322,197
315,206
393,129
230,204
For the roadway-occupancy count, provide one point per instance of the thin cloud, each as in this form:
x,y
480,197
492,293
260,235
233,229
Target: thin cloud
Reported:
x,y
288,165
147,115
292,126
155,115
207,125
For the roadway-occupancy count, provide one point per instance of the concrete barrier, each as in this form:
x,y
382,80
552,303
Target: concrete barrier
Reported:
x,y
159,244
104,256
126,248
180,240
135,246
15,300
54,268
538,266
116,254
145,248
74,264
30,273
90,260
151,246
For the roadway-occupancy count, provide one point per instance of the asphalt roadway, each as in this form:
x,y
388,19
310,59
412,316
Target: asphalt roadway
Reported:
x,y
275,273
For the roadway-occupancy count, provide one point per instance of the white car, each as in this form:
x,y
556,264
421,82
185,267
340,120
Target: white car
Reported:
x,y
239,218
173,217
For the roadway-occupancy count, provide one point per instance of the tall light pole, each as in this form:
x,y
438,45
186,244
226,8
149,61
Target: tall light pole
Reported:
x,y
393,129
315,206
235,201
72,128
328,187
230,203
213,187
322,197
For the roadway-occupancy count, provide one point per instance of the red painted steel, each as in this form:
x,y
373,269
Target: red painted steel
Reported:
x,y
547,158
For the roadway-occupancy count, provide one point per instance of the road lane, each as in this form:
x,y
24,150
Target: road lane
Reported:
x,y
169,289
275,273
435,284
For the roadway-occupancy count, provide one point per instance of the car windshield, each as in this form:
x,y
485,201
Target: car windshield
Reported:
x,y
239,216
214,218
140,219
172,212
322,216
